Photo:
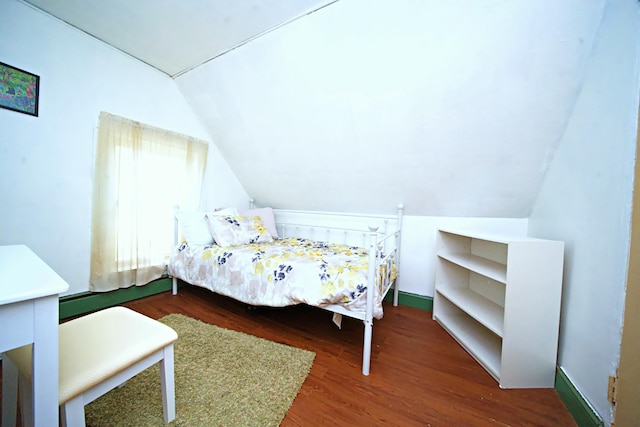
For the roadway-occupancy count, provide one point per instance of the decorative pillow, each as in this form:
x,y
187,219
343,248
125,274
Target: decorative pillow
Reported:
x,y
234,230
194,228
224,211
267,216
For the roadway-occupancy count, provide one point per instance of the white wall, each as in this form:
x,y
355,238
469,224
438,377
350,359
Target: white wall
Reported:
x,y
453,108
46,162
418,250
586,201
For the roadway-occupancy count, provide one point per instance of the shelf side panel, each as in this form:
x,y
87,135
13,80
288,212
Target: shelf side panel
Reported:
x,y
532,314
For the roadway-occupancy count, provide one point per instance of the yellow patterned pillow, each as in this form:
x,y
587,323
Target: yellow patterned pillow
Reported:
x,y
235,230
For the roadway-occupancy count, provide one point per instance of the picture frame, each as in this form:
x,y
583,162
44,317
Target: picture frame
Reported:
x,y
19,90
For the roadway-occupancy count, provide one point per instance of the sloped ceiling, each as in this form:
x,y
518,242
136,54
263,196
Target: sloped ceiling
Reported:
x,y
176,35
453,108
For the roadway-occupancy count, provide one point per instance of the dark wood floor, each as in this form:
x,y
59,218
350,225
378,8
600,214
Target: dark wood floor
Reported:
x,y
419,375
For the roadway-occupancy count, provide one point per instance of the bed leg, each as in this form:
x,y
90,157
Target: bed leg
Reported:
x,y
366,349
174,285
395,293
372,286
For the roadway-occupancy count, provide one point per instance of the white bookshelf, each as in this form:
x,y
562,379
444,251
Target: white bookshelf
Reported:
x,y
499,297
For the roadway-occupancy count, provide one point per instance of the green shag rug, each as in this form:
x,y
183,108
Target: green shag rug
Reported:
x,y
222,378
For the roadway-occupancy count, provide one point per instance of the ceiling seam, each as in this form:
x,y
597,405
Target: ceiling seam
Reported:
x,y
44,12
250,39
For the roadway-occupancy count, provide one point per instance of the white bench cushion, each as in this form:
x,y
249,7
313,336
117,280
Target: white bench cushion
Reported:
x,y
97,346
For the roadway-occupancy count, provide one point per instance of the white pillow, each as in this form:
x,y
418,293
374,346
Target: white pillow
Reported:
x,y
267,216
194,228
235,230
225,211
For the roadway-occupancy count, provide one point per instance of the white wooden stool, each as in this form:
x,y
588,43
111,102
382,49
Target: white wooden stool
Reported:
x,y
97,353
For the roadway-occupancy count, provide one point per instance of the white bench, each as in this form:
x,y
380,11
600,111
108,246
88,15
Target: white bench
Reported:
x,y
97,353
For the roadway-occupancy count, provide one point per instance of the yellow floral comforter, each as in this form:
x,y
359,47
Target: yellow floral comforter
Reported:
x,y
281,273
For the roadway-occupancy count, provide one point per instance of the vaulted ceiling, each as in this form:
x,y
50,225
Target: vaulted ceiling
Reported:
x,y
453,108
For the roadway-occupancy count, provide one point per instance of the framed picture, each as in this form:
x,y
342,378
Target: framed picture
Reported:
x,y
18,90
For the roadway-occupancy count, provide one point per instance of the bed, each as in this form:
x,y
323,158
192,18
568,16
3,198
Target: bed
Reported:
x,y
278,258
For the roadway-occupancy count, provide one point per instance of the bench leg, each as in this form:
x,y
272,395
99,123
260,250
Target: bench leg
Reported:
x,y
72,412
168,385
9,392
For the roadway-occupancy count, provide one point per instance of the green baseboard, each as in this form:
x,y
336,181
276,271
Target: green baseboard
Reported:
x,y
412,300
86,302
575,403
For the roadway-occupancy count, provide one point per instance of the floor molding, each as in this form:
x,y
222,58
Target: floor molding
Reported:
x,y
412,300
577,405
87,302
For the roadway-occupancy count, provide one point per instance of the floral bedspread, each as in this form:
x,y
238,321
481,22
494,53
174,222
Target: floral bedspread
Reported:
x,y
280,273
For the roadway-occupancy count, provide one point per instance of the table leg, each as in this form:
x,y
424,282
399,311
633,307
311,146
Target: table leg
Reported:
x,y
45,362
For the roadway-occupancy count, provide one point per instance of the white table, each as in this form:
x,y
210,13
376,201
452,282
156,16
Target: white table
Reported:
x,y
29,291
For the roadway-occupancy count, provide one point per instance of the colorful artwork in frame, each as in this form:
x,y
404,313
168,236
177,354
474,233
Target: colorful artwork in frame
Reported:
x,y
19,90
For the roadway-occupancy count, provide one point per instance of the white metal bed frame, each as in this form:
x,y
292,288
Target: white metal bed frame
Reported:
x,y
375,240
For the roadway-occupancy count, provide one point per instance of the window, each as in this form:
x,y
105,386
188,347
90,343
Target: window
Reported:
x,y
141,173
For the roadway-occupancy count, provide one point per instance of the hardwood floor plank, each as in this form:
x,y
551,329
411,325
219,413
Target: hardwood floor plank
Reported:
x,y
420,376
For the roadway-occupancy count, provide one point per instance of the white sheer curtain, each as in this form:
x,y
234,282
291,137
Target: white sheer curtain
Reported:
x,y
141,173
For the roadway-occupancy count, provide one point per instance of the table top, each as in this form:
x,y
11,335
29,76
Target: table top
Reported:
x,y
24,276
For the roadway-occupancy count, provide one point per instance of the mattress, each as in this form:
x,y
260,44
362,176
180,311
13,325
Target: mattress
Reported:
x,y
283,272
